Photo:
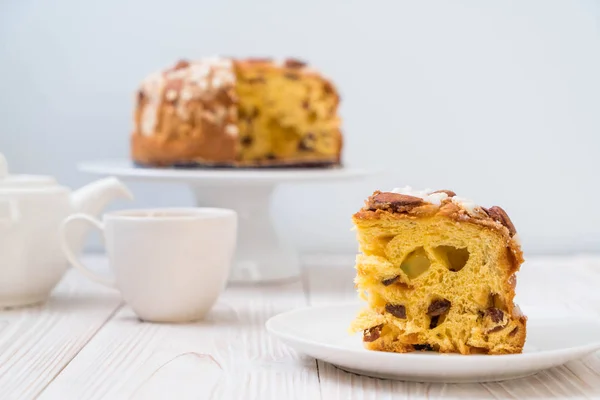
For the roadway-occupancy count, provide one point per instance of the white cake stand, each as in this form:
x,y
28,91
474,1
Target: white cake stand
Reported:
x,y
261,253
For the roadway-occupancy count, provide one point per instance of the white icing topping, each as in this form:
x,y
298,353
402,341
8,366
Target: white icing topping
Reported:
x,y
436,198
198,79
171,95
231,130
186,94
148,120
151,89
468,205
433,198
152,85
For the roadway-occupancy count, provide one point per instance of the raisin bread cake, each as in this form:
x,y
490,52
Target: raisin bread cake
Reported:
x,y
237,113
438,273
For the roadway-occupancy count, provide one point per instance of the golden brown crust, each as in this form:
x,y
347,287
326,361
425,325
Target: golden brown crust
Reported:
x,y
382,205
186,112
210,146
189,115
217,151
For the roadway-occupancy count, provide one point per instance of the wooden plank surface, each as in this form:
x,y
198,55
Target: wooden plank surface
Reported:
x,y
83,345
36,343
227,356
571,283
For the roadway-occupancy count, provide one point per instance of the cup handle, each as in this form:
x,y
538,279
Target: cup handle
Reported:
x,y
13,210
70,254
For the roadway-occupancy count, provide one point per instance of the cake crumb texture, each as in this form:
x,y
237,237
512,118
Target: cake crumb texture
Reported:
x,y
437,274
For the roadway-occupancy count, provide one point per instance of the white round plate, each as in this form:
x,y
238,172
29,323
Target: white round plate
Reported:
x,y
322,332
126,169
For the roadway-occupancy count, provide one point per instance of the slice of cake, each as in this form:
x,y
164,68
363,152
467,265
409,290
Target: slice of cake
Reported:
x,y
438,273
237,113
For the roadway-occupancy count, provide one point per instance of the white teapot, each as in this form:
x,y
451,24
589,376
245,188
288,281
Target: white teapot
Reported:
x,y
31,210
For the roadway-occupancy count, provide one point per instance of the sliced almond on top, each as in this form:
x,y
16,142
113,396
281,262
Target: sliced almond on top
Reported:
x,y
393,201
498,214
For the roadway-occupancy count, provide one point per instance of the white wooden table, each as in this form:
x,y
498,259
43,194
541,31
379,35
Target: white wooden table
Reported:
x,y
85,344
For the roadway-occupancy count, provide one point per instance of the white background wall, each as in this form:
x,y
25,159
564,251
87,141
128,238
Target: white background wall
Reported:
x,y
497,100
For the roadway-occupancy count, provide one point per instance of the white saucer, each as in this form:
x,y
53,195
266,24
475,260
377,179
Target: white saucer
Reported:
x,y
322,332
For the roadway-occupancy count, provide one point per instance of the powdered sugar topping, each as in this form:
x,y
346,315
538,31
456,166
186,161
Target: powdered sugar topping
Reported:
x,y
185,82
437,198
468,205
231,130
426,195
151,86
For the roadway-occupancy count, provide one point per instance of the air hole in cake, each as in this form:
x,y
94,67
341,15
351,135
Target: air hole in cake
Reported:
x,y
379,244
438,320
416,263
454,258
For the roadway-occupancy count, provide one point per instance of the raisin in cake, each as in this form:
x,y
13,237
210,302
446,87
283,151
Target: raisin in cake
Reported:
x,y
237,113
438,273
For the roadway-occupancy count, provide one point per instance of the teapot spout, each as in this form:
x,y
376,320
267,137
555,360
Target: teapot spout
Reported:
x,y
94,197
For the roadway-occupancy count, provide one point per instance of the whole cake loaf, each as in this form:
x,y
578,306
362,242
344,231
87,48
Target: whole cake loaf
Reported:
x,y
237,113
438,273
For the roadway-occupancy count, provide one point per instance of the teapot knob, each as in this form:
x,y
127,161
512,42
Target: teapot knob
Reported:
x,y
3,167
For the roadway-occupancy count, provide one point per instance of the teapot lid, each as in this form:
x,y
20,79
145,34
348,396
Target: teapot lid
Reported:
x,y
13,181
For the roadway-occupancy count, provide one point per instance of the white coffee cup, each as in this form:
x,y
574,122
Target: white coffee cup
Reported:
x,y
170,265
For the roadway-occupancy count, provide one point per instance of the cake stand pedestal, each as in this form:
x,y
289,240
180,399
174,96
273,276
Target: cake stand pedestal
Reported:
x,y
262,254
